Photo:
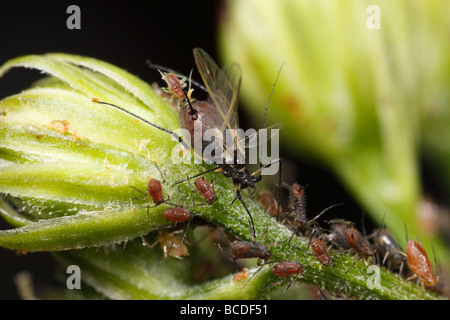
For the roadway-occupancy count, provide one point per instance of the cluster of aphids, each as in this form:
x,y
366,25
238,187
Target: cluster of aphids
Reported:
x,y
341,236
220,111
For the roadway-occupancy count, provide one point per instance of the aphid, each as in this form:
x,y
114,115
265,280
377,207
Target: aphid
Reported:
x,y
175,86
172,245
320,251
205,189
389,250
297,205
356,241
155,191
287,269
337,236
248,250
297,209
268,201
419,263
177,214
359,244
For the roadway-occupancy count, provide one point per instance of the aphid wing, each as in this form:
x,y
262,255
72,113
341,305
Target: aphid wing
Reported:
x,y
222,85
234,75
255,139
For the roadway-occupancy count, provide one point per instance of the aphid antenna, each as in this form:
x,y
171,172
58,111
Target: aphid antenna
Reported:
x,y
363,226
341,221
325,210
382,220
270,96
163,175
279,160
436,261
190,79
174,134
232,260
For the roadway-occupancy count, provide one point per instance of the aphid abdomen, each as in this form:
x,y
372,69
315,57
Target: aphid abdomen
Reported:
x,y
419,263
286,269
320,251
155,191
177,215
202,117
358,242
205,190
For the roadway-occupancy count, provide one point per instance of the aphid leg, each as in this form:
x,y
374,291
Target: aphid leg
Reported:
x,y
252,225
141,192
310,222
292,281
354,264
259,269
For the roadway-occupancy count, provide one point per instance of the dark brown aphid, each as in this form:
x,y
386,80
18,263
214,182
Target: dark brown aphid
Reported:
x,y
337,236
320,251
248,250
419,263
268,201
177,214
155,191
389,250
205,189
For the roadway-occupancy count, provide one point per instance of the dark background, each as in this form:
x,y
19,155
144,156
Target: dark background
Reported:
x,y
126,34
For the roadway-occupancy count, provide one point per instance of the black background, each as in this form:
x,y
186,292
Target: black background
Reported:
x,y
125,34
